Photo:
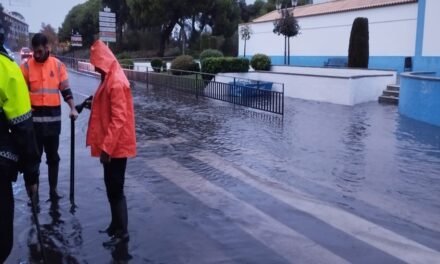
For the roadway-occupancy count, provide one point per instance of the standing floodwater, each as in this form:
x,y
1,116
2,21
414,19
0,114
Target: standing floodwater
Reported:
x,y
218,184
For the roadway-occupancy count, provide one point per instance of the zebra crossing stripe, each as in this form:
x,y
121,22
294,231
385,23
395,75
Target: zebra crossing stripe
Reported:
x,y
267,230
371,233
162,141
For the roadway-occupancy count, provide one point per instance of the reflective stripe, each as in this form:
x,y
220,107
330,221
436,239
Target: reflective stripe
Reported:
x,y
46,91
9,155
21,118
45,119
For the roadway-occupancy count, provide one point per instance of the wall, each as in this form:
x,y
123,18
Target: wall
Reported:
x,y
328,36
420,97
428,39
326,85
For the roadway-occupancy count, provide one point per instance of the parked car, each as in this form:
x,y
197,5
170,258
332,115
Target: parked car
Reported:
x,y
25,53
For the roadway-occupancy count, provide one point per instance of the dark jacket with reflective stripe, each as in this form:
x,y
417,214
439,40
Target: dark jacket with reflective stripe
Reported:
x,y
45,82
17,136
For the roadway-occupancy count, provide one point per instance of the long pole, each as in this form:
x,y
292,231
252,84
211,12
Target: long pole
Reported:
x,y
288,52
37,224
72,161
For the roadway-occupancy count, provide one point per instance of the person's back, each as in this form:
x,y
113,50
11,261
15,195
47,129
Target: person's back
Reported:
x,y
18,150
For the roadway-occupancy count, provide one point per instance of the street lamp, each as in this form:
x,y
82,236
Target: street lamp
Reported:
x,y
283,9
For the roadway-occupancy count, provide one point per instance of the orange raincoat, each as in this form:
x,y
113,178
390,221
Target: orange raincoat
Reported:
x,y
111,124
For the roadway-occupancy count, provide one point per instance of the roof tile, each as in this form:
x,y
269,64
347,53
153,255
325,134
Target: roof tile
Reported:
x,y
333,7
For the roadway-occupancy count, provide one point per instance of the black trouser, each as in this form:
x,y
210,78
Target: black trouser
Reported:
x,y
114,178
48,144
6,210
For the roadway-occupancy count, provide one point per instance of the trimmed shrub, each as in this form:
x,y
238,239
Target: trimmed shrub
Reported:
x,y
125,60
225,64
156,64
184,63
260,62
210,53
358,51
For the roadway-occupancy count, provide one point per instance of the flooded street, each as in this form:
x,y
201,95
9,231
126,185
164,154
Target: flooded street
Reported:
x,y
214,183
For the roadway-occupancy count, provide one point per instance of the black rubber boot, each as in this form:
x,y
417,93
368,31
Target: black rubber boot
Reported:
x,y
53,182
111,229
121,222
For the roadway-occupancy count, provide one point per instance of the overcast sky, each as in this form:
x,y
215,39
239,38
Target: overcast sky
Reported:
x,y
38,11
48,11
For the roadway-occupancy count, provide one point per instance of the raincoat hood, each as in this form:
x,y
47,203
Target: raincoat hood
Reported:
x,y
102,57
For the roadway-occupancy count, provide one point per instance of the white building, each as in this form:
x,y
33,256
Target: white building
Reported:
x,y
397,29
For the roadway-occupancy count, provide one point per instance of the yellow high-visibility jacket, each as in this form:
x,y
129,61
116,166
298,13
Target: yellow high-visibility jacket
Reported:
x,y
17,136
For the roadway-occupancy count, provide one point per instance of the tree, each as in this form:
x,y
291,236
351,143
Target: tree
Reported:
x,y
50,33
245,34
358,51
287,26
83,19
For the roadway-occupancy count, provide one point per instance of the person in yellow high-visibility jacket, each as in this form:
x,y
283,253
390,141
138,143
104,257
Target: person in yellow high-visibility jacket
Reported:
x,y
18,145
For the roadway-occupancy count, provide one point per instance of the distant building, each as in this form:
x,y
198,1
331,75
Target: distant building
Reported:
x,y
18,35
403,33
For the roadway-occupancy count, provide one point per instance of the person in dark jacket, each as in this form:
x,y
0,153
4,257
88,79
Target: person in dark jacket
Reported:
x,y
18,146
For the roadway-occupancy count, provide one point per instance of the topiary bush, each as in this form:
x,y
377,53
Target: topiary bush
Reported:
x,y
125,60
184,63
210,53
260,62
157,64
225,64
358,50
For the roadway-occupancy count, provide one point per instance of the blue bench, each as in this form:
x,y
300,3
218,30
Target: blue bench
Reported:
x,y
336,62
239,88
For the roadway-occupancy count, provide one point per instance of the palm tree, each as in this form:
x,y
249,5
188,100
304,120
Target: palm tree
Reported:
x,y
245,33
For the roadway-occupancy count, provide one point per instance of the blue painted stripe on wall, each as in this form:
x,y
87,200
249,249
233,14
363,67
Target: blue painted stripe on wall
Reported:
x,y
420,99
396,63
420,27
427,64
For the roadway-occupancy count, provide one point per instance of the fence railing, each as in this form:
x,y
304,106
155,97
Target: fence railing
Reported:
x,y
265,96
261,95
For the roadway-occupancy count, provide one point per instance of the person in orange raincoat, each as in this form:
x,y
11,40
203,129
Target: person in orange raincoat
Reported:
x,y
111,135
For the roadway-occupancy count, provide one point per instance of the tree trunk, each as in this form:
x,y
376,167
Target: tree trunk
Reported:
x,y
285,50
244,53
288,50
165,34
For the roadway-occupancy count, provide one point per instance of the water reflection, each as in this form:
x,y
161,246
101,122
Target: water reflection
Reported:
x,y
62,239
351,173
120,253
418,159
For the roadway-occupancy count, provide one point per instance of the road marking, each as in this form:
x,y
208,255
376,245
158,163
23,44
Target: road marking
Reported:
x,y
373,234
280,238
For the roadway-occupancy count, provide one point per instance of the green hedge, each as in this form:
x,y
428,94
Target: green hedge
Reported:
x,y
225,64
260,62
210,53
184,63
156,64
125,60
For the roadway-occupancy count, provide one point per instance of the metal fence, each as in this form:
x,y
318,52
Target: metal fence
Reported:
x,y
261,95
265,96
